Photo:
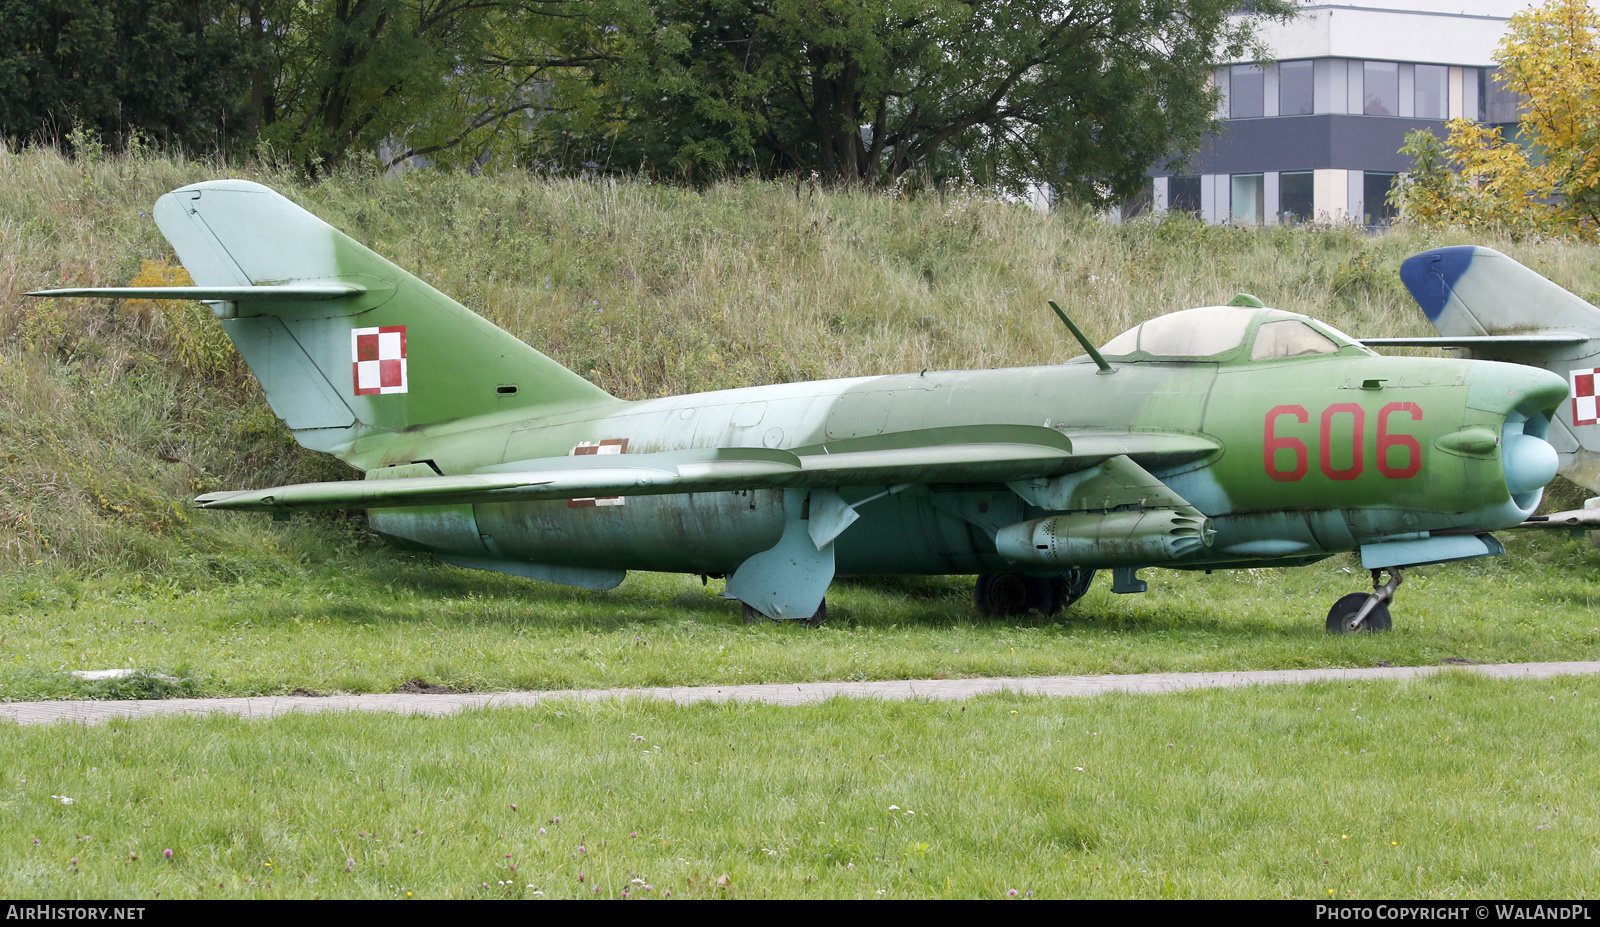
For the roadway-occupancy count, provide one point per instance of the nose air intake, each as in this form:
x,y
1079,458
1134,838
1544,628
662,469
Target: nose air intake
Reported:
x,y
1524,400
1529,461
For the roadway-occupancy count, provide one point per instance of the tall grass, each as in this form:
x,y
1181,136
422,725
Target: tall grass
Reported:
x,y
106,429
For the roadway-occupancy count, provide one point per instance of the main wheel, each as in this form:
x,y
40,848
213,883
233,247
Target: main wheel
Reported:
x,y
752,616
998,595
1071,586
1346,608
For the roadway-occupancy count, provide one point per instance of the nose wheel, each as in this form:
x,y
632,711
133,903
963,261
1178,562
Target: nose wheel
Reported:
x,y
1365,611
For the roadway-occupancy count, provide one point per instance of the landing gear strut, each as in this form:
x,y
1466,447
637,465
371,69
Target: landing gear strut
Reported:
x,y
1363,612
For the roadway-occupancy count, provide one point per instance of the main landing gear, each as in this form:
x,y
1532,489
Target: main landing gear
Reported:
x,y
751,616
1365,612
999,595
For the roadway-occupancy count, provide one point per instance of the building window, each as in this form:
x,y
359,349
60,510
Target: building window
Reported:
x,y
1382,79
1501,105
1183,195
1246,96
1296,96
1433,91
1249,200
1375,194
1296,197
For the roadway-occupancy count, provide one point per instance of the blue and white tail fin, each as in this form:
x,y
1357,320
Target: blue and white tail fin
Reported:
x,y
1490,307
1468,290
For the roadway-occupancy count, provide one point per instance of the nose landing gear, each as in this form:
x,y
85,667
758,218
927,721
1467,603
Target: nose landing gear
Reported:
x,y
1365,612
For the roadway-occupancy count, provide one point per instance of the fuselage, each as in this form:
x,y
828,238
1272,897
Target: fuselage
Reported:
x,y
1306,456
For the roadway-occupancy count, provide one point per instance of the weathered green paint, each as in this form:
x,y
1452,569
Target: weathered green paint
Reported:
x,y
1286,443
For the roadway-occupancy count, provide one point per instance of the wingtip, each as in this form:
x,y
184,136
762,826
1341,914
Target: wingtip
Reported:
x,y
214,500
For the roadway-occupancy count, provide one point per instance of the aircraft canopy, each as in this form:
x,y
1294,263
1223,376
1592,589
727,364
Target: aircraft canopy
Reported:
x,y
1196,334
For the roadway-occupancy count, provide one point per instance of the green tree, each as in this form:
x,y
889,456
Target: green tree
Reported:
x,y
313,80
457,81
346,75
1083,95
174,69
522,80
1546,180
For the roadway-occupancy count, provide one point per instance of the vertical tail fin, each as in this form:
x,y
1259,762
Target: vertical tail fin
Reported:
x,y
1468,290
394,353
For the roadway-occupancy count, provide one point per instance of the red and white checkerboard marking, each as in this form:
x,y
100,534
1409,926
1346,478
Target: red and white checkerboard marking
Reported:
x,y
586,448
379,358
1584,402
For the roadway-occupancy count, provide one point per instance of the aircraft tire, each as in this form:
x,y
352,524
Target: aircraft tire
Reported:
x,y
752,616
1343,610
1002,595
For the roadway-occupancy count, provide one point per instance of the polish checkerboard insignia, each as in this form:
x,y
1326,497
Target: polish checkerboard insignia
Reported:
x,y
1584,402
587,448
379,358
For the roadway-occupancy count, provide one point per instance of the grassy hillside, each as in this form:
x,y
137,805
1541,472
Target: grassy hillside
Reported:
x,y
113,416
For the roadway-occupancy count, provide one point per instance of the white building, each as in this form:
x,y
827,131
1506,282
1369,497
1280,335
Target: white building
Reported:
x,y
1316,134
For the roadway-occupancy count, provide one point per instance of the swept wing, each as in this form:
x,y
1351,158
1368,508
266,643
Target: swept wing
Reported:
x,y
958,455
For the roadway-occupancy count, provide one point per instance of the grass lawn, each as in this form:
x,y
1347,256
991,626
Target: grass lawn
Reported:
x,y
1445,787
367,620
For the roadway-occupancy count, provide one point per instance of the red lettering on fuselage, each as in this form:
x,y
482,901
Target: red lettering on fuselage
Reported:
x,y
1357,425
1387,441
1273,443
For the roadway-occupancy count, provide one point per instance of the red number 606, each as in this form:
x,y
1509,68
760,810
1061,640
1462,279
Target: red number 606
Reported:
x,y
1273,443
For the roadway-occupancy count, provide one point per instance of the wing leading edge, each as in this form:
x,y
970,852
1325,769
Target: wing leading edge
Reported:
x,y
960,455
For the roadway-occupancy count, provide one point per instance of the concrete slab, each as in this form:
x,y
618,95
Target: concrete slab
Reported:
x,y
93,712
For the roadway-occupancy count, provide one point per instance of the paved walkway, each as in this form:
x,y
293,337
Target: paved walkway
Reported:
x,y
87,712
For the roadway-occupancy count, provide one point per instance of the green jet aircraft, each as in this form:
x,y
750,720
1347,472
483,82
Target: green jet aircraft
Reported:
x,y
1213,438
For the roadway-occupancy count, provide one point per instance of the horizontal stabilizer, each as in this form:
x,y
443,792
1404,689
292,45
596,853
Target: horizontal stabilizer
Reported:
x,y
1480,341
237,294
962,455
1575,518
